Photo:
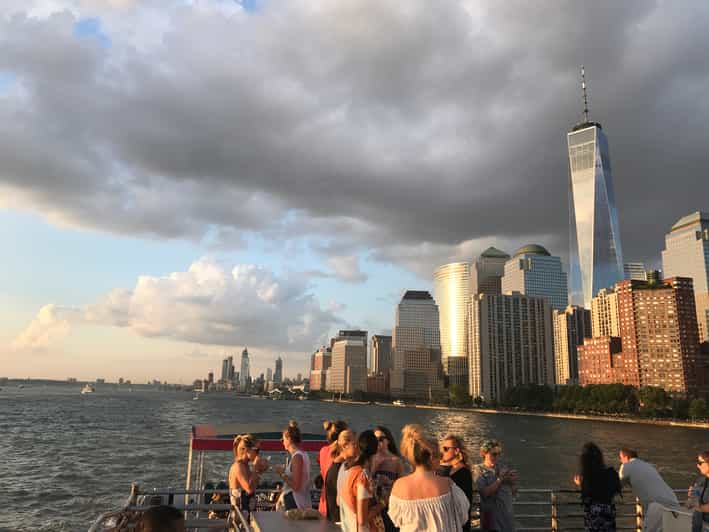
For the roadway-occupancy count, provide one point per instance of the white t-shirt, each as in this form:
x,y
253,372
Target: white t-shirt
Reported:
x,y
647,484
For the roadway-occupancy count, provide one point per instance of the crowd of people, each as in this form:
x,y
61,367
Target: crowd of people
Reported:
x,y
370,484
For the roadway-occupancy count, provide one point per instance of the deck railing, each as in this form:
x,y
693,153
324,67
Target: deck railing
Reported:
x,y
552,510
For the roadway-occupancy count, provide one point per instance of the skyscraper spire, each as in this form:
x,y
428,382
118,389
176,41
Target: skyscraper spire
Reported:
x,y
585,97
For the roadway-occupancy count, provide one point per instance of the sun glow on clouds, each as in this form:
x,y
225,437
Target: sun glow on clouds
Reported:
x,y
208,304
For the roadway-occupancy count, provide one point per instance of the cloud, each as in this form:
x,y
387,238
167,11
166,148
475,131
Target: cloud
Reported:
x,y
51,325
346,268
390,128
208,304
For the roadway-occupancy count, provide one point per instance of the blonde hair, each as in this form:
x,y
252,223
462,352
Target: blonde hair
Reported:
x,y
242,443
346,436
418,447
459,444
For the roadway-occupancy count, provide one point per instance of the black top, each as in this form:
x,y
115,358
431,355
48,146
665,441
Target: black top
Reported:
x,y
602,488
463,478
333,511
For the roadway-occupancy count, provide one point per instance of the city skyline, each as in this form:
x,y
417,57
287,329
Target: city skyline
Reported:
x,y
155,224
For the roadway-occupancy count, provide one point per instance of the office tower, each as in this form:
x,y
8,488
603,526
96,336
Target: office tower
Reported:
x,y
225,370
269,375
511,343
322,360
596,257
278,372
686,254
571,326
348,373
635,271
244,374
487,271
604,313
381,354
451,287
533,272
659,340
354,333
416,347
210,378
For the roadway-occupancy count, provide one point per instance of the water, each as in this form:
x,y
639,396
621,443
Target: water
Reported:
x,y
66,457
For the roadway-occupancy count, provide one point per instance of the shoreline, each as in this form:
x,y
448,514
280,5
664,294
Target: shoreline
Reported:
x,y
557,415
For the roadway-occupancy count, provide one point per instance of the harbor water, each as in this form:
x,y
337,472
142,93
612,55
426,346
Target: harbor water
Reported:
x,y
67,457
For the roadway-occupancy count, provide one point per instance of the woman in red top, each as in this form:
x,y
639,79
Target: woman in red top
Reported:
x,y
332,431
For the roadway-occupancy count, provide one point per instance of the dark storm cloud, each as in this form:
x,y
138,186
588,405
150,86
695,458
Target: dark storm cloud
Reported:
x,y
417,130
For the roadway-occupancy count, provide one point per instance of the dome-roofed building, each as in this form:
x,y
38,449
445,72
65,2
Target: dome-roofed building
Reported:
x,y
534,272
532,249
494,253
487,271
686,254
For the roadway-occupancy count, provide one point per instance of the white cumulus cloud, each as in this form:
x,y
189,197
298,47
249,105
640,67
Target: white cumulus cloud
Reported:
x,y
52,324
208,304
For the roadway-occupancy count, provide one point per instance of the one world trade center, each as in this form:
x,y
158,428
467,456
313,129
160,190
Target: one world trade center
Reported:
x,y
596,257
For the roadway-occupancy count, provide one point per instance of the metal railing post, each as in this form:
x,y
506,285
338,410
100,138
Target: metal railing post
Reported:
x,y
639,517
554,513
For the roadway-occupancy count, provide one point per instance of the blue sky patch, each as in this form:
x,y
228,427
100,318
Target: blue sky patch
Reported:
x,y
91,27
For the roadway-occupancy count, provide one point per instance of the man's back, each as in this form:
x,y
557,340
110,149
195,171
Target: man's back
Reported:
x,y
647,483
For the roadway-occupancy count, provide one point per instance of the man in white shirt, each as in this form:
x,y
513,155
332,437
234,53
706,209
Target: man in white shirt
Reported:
x,y
648,486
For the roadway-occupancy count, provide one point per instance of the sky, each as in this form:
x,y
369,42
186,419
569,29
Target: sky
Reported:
x,y
181,179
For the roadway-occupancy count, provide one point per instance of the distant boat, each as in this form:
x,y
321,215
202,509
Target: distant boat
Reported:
x,y
20,386
398,402
88,388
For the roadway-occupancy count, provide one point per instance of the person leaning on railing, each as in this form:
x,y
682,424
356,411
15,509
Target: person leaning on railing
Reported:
x,y
648,486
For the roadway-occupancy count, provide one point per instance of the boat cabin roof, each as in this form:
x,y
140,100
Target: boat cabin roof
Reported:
x,y
221,437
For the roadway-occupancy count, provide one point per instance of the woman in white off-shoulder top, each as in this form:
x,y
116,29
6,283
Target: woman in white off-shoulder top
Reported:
x,y
423,500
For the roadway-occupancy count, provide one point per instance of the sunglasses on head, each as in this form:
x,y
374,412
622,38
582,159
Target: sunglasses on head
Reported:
x,y
381,438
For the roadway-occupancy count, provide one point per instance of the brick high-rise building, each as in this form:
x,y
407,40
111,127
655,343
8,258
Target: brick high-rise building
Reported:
x,y
321,362
658,335
602,361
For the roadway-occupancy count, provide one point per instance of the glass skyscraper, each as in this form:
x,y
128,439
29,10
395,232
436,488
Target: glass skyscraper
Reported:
x,y
452,289
596,257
